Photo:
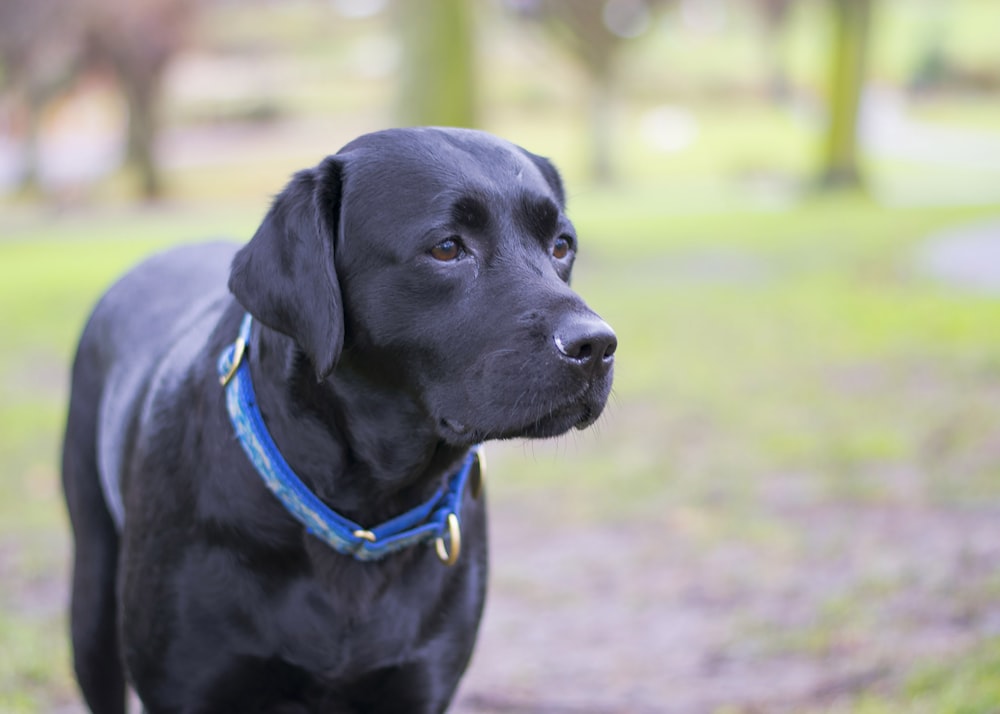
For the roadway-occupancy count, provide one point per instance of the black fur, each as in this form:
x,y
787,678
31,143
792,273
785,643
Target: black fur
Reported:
x,y
377,365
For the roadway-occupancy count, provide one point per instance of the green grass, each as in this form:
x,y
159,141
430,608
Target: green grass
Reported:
x,y
33,674
967,685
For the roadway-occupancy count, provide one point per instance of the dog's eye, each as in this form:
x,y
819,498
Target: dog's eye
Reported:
x,y
561,247
447,250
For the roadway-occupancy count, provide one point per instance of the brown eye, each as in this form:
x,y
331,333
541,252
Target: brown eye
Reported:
x,y
447,250
561,247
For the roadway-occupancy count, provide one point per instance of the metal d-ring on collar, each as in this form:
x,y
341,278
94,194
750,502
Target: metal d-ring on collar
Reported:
x,y
436,520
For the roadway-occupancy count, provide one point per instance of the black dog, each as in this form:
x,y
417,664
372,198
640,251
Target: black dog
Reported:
x,y
410,300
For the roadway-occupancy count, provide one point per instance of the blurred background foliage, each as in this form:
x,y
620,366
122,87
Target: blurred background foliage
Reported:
x,y
790,212
94,84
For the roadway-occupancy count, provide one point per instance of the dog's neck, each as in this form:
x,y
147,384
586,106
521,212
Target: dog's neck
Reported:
x,y
382,460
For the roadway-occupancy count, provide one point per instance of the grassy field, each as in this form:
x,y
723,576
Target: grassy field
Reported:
x,y
802,453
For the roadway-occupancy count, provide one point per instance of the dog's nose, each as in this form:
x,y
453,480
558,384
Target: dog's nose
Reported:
x,y
588,341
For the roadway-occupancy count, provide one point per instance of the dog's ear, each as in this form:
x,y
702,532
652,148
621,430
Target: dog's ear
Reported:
x,y
286,277
550,174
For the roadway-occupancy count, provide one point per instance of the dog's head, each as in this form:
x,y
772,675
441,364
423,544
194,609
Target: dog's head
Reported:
x,y
437,261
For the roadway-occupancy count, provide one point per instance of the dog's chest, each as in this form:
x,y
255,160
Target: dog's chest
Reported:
x,y
364,616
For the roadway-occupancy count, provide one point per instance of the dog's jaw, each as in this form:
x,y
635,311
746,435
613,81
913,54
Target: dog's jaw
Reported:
x,y
579,411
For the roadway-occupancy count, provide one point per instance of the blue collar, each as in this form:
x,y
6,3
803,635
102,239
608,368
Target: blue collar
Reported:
x,y
437,519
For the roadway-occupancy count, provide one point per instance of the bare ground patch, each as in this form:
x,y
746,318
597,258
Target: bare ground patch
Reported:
x,y
643,617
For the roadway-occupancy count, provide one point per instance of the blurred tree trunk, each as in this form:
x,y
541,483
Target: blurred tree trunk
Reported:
x,y
138,41
934,65
45,45
30,182
852,20
593,32
579,26
142,94
39,51
602,127
775,14
438,65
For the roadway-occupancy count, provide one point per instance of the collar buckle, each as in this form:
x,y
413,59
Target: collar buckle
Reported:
x,y
239,349
455,537
365,535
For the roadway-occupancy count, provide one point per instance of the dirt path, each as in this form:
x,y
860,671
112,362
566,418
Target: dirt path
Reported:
x,y
642,617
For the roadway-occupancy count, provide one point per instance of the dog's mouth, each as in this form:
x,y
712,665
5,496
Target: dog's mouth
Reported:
x,y
578,413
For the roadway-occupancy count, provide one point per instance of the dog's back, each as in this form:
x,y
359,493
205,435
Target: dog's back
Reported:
x,y
134,325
